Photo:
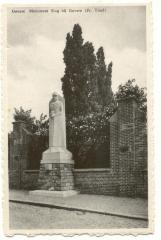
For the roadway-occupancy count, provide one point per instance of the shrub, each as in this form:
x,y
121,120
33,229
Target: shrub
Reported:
x,y
88,138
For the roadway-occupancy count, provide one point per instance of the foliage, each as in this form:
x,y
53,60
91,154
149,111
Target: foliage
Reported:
x,y
131,89
36,126
42,125
25,116
86,83
103,79
22,115
89,136
72,82
90,90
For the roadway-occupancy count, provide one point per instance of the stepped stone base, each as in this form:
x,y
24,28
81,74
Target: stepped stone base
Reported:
x,y
54,193
58,177
56,170
57,155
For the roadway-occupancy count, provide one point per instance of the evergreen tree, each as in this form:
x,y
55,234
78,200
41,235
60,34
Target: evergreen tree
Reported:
x,y
103,78
71,82
109,93
79,81
90,79
67,80
86,83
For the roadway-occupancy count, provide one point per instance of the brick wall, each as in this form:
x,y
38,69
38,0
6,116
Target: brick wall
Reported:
x,y
26,179
14,179
96,181
141,156
30,179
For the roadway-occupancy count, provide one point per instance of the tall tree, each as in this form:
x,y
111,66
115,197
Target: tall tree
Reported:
x,y
67,80
90,79
78,83
86,83
71,81
104,78
109,93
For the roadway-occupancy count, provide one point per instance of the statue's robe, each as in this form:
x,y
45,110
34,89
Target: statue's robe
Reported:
x,y
57,136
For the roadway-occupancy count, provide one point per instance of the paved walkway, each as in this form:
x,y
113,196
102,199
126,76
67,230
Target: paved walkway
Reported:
x,y
117,206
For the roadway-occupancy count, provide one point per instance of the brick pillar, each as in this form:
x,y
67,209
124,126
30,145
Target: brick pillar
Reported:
x,y
114,158
20,144
19,152
114,153
126,146
141,155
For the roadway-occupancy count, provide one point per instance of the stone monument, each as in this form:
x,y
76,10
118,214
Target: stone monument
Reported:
x,y
56,167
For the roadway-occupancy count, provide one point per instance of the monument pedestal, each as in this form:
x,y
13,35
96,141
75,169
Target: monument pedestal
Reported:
x,y
56,167
56,173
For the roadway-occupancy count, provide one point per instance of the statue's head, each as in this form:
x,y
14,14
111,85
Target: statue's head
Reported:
x,y
55,96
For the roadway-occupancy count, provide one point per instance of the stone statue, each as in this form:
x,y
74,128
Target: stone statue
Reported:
x,y
57,152
57,131
56,166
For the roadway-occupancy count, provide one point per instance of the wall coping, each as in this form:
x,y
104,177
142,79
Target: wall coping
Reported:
x,y
93,170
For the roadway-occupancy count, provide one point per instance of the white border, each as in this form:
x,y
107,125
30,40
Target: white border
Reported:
x,y
156,85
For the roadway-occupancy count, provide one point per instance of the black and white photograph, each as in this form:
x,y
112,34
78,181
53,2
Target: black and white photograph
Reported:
x,y
78,119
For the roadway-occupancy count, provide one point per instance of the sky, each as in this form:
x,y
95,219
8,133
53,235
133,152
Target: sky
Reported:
x,y
35,44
